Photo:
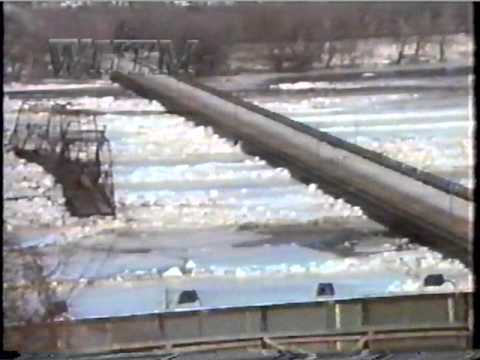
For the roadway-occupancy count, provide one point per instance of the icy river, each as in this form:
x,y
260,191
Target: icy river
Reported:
x,y
195,212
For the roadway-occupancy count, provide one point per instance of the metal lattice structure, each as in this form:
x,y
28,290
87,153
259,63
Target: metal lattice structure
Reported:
x,y
30,133
71,146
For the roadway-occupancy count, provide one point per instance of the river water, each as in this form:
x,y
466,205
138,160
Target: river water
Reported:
x,y
193,207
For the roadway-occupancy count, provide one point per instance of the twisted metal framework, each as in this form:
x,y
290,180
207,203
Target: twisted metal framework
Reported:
x,y
71,146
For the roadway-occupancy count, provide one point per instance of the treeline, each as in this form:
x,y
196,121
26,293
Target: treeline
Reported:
x,y
219,26
259,22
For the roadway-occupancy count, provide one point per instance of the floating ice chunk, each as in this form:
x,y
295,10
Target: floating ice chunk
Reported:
x,y
217,270
209,131
312,265
213,193
253,271
199,272
190,265
297,269
351,262
173,271
169,208
396,286
332,266
312,188
388,246
240,273
427,262
411,285
275,268
47,181
446,286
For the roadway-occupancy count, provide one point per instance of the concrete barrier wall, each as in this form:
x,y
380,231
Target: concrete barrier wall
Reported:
x,y
438,210
416,314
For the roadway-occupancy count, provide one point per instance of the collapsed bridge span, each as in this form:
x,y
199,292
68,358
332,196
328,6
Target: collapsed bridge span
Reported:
x,y
71,147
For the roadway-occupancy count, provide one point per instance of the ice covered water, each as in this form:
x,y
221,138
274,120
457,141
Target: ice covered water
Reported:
x,y
431,130
185,196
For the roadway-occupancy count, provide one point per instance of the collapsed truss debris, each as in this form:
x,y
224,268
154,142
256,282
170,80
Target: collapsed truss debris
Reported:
x,y
73,149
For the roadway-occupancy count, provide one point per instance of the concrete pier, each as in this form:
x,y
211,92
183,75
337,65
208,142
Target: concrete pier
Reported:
x,y
414,203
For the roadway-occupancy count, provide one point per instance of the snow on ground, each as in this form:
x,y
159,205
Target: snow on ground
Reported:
x,y
376,53
45,86
370,81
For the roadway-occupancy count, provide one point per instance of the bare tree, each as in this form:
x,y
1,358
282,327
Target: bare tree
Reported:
x,y
35,299
278,24
424,29
331,52
402,38
444,22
